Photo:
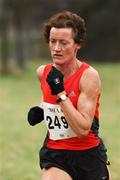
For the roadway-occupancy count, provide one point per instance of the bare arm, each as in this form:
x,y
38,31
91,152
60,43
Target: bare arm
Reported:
x,y
36,113
39,73
80,119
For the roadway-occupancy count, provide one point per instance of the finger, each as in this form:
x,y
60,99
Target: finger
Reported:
x,y
55,70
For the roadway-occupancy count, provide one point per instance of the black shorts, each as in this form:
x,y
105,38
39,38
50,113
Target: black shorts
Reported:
x,y
80,165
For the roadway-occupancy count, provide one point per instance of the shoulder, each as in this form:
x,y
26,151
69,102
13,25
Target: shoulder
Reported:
x,y
39,71
91,73
90,79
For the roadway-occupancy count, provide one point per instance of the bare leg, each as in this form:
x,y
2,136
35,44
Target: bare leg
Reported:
x,y
55,173
110,178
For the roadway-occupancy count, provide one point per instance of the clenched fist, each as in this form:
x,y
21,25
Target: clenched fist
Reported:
x,y
55,81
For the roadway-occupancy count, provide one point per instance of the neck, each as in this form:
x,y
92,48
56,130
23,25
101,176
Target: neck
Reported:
x,y
69,69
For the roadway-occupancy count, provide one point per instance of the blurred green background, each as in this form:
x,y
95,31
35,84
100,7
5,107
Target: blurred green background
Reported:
x,y
22,50
20,143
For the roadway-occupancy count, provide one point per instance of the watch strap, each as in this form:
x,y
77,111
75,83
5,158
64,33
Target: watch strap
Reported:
x,y
59,99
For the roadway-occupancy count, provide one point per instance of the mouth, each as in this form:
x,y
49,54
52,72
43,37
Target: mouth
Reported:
x,y
58,56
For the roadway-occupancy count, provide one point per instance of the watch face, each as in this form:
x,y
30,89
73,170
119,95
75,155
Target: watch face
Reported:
x,y
63,97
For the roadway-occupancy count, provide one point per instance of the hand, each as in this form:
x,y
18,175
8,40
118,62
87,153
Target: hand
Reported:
x,y
35,115
55,81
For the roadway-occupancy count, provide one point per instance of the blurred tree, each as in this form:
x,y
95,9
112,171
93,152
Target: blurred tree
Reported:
x,y
4,38
104,32
17,10
26,16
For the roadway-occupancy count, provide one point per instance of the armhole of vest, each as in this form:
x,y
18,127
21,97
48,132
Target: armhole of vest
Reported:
x,y
83,68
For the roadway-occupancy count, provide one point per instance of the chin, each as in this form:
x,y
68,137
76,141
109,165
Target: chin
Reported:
x,y
58,61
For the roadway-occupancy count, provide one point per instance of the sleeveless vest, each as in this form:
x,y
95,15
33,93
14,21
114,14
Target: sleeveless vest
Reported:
x,y
60,135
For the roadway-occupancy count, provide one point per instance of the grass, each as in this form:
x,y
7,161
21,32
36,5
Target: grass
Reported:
x,y
110,114
20,143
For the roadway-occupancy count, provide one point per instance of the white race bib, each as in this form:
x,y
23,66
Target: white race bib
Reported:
x,y
56,122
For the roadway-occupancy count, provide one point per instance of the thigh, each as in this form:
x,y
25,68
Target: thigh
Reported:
x,y
55,173
56,161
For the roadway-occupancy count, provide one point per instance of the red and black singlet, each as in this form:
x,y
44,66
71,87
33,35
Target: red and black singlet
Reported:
x,y
60,135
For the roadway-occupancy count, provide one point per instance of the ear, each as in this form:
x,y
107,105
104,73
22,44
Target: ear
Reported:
x,y
78,46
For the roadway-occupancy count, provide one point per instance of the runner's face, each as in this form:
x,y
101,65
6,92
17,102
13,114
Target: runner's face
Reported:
x,y
62,46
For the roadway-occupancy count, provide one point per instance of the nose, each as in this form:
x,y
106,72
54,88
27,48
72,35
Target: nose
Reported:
x,y
57,46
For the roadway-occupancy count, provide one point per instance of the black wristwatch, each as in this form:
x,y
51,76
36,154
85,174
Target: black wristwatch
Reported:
x,y
63,97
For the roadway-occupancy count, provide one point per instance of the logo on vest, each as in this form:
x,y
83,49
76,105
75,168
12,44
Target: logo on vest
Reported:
x,y
72,94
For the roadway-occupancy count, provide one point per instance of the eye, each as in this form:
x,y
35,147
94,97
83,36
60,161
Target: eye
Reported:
x,y
52,41
64,43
